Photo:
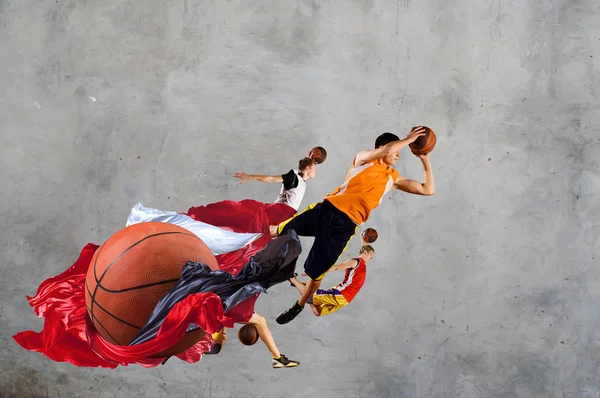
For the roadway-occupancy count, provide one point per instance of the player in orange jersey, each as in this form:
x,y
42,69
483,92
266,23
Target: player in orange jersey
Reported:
x,y
333,222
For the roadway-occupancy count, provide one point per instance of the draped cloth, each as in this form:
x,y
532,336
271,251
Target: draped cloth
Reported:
x,y
205,299
246,216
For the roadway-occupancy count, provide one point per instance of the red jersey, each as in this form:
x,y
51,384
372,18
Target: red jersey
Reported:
x,y
353,280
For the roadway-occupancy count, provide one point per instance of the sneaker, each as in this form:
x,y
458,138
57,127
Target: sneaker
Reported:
x,y
295,276
289,314
283,362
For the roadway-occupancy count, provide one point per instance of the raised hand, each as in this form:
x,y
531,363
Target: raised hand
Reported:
x,y
424,156
415,133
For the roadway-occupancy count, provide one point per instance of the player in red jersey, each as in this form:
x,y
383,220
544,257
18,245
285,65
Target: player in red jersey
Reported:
x,y
327,301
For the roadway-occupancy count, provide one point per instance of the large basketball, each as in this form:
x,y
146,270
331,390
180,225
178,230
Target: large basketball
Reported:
x,y
133,270
425,143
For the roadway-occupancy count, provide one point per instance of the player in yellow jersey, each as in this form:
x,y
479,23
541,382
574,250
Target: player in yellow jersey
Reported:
x,y
333,222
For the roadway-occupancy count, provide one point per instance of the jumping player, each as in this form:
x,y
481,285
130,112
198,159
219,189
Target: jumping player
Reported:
x,y
293,183
324,302
333,221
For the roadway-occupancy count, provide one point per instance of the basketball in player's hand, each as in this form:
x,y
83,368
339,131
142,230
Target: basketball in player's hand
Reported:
x,y
425,143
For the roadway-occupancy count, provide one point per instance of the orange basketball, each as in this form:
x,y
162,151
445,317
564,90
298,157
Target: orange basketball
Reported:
x,y
318,154
425,143
133,270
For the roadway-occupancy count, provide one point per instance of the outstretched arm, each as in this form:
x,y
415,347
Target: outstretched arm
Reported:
x,y
427,188
368,155
258,177
341,266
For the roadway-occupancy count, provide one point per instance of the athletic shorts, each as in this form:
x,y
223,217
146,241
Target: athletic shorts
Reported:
x,y
327,301
332,230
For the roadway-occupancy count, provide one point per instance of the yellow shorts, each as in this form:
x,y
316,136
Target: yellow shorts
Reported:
x,y
328,301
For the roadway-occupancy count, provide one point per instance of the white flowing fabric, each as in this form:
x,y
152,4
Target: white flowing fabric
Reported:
x,y
218,240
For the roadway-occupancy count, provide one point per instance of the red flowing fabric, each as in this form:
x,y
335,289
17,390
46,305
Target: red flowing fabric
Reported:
x,y
69,336
202,309
246,216
61,301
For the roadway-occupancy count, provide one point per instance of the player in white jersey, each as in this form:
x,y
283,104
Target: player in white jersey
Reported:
x,y
293,183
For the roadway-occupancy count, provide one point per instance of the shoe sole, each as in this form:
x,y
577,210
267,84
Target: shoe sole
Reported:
x,y
285,366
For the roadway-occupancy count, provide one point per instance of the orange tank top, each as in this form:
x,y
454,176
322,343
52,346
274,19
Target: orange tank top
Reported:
x,y
363,190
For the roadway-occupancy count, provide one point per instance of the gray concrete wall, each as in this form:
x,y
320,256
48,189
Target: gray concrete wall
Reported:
x,y
487,289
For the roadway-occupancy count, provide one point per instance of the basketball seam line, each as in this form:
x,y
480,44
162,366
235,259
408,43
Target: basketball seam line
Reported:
x,y
131,247
138,287
95,278
114,316
100,323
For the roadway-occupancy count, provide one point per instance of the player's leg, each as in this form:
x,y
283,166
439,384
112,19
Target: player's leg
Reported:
x,y
260,323
304,223
301,287
325,251
279,360
297,284
311,286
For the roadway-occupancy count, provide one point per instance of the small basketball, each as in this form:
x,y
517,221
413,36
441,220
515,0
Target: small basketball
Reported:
x,y
318,154
132,271
425,143
369,235
248,335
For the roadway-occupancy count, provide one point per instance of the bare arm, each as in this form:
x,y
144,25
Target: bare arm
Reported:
x,y
427,188
345,265
258,177
369,155
341,266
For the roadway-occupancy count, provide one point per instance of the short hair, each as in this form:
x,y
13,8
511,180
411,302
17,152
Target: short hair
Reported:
x,y
366,248
305,162
385,139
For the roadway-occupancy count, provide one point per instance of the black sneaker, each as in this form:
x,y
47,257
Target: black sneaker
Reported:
x,y
283,362
289,314
295,276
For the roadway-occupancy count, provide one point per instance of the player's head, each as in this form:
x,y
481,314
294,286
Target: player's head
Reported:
x,y
366,252
383,140
307,168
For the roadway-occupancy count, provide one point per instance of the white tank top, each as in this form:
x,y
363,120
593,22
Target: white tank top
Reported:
x,y
292,189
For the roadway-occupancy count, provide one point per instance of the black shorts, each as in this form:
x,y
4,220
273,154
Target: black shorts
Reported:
x,y
332,230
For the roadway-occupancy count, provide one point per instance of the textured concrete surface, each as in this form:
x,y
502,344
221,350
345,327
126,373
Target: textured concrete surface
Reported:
x,y
487,289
